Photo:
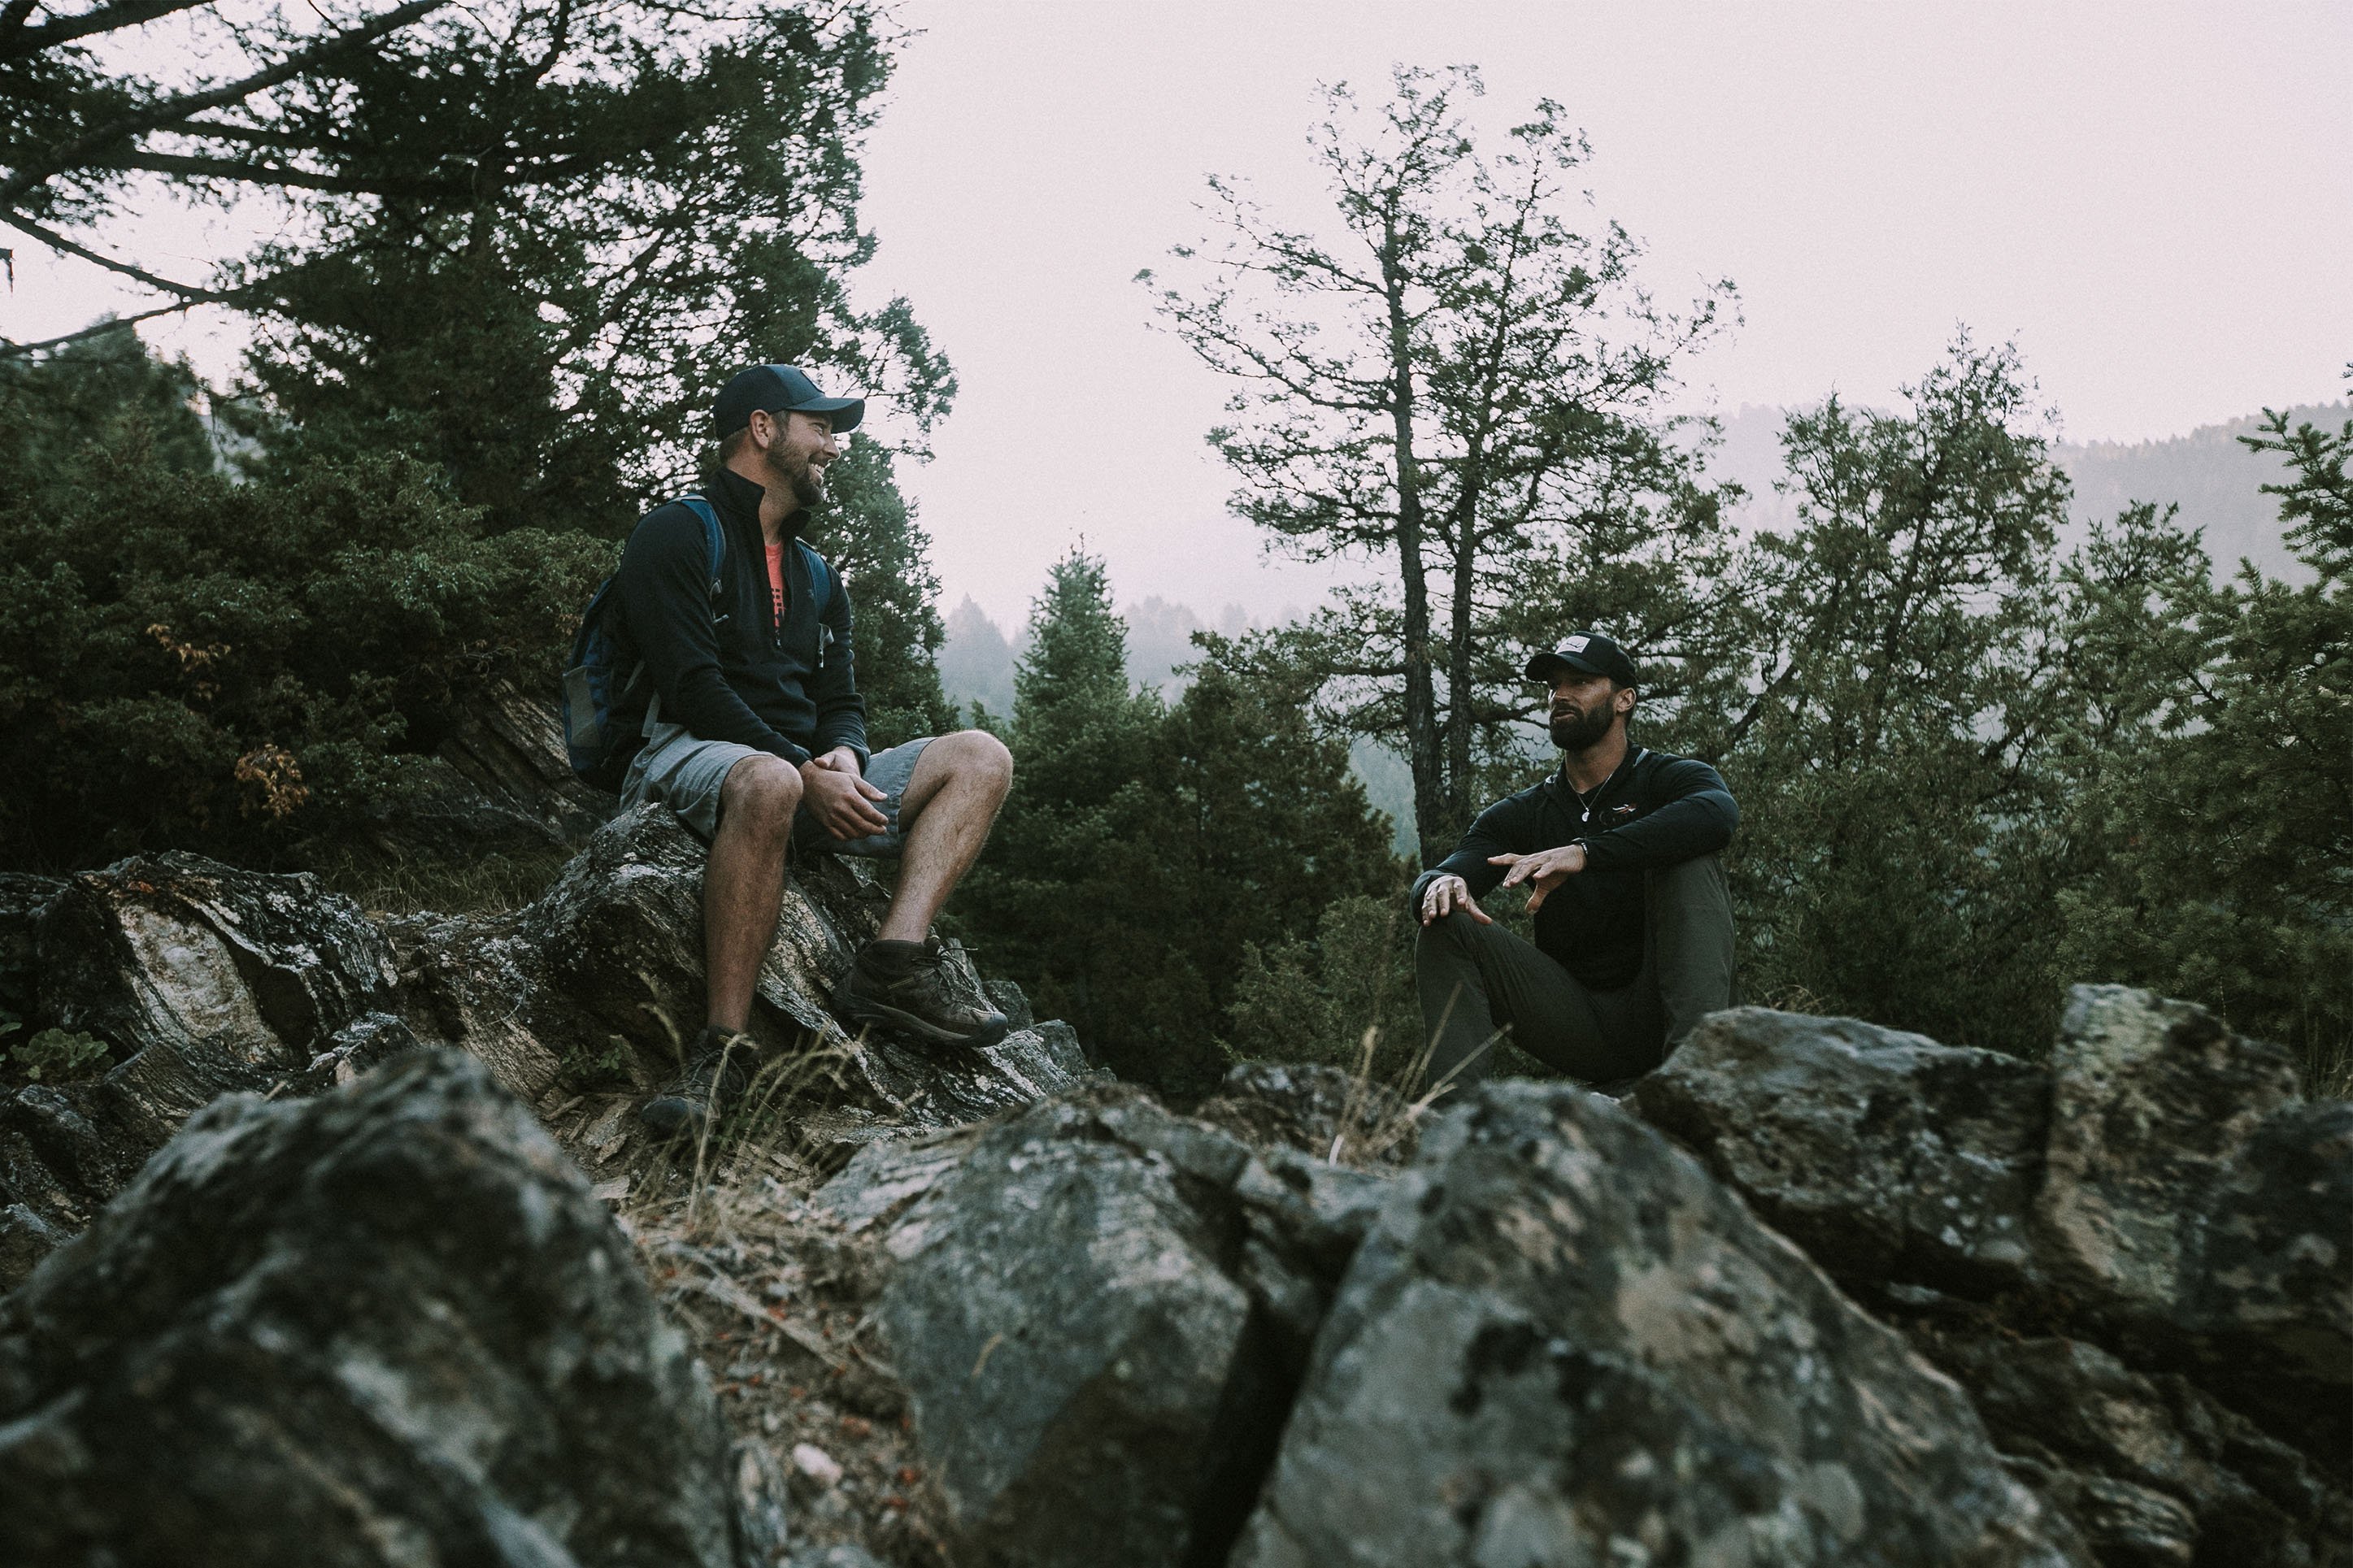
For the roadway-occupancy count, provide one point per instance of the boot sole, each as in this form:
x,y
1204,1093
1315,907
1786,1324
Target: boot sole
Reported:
x,y
858,1010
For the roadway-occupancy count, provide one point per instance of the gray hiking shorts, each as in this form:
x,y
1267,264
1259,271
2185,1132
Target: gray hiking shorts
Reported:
x,y
685,774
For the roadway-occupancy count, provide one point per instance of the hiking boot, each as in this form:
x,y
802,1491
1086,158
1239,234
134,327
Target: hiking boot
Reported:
x,y
909,986
712,1082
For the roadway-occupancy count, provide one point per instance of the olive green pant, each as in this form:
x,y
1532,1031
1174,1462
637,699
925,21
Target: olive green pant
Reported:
x,y
1477,980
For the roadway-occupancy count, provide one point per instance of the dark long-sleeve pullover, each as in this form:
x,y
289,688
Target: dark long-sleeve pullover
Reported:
x,y
1656,810
787,685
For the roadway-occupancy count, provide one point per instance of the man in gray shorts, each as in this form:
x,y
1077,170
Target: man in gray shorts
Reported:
x,y
754,735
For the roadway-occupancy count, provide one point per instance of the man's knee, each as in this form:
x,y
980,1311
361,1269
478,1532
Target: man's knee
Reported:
x,y
977,754
760,796
1704,872
1693,893
1454,931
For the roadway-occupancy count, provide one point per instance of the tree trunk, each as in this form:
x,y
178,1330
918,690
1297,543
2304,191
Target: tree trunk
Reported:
x,y
1421,737
1458,669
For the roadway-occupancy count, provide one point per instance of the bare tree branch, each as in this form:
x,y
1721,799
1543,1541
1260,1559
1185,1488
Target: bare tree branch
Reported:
x,y
188,294
167,112
18,40
9,349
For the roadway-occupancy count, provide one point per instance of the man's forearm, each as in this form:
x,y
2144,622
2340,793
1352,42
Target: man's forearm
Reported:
x,y
1698,824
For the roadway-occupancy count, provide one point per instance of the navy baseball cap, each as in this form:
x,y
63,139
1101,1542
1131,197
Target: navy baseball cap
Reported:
x,y
1588,653
779,389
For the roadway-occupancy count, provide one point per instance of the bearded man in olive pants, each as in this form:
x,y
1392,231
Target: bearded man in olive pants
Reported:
x,y
1633,918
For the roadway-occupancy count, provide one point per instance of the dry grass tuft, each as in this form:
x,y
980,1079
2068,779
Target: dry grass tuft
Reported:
x,y
1382,1116
400,882
779,1302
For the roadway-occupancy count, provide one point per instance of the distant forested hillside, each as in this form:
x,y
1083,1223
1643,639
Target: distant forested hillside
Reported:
x,y
2209,473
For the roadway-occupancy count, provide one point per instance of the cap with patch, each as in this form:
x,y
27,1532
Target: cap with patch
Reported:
x,y
779,389
1587,653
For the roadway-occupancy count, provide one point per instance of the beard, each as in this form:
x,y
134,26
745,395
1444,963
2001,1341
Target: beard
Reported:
x,y
798,474
1581,729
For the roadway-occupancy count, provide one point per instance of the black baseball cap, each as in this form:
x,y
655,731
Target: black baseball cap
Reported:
x,y
1588,652
779,389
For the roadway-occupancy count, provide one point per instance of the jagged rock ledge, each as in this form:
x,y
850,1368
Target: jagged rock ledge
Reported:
x,y
203,980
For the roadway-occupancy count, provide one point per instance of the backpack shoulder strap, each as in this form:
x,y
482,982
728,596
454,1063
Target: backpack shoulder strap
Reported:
x,y
713,535
821,579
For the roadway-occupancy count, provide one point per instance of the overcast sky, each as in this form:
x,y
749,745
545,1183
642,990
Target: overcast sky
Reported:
x,y
2156,203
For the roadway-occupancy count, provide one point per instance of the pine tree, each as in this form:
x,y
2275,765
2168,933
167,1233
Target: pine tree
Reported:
x,y
1467,390
1893,763
1056,899
526,243
1144,849
2226,834
869,532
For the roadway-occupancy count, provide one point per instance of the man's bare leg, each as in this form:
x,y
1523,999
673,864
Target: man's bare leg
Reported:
x,y
959,785
743,885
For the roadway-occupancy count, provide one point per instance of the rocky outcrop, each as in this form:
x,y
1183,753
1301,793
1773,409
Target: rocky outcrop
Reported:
x,y
2153,1469
1100,1311
607,970
1562,1342
201,980
386,1325
2154,1215
1886,1155
1315,1109
510,748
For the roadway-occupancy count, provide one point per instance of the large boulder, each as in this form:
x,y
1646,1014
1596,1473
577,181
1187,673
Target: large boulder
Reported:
x,y
510,747
204,979
1886,1155
390,1324
23,901
2153,1469
2193,1196
1100,1311
2157,1194
595,991
1564,1342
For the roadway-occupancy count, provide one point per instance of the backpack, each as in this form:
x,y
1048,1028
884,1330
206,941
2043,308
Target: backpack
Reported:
x,y
595,689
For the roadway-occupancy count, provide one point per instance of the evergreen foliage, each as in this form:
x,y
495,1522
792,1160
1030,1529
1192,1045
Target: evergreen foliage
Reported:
x,y
189,661
1147,849
1470,391
521,248
1894,760
677,197
526,243
869,534
2224,863
102,388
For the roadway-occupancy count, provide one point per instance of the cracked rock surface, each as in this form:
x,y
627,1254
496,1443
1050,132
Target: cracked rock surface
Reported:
x,y
385,1325
2153,1224
1100,1310
1562,1342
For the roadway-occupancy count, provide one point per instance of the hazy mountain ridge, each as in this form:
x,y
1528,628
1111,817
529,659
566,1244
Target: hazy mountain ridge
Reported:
x,y
2214,479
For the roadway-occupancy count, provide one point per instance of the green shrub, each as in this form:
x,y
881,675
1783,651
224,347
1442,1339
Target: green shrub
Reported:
x,y
185,660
